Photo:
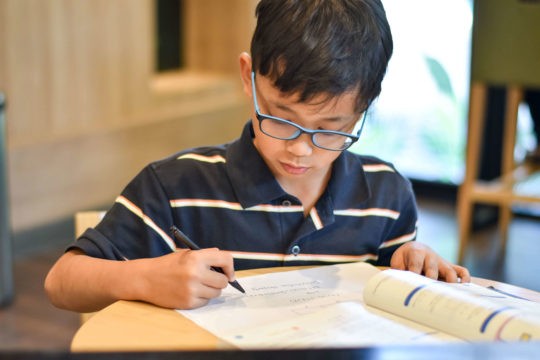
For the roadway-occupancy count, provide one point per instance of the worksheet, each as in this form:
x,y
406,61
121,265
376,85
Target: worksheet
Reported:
x,y
315,307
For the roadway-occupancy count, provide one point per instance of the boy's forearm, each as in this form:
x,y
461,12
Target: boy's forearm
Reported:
x,y
84,284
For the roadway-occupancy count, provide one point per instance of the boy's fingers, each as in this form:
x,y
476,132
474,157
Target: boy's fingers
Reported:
x,y
414,262
431,268
195,302
225,261
222,260
448,274
208,292
463,273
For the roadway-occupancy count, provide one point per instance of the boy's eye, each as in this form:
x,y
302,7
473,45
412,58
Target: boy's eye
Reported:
x,y
327,129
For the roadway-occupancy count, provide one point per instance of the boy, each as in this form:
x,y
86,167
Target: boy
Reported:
x,y
285,193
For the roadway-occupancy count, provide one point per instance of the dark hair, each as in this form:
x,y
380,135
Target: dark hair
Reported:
x,y
314,47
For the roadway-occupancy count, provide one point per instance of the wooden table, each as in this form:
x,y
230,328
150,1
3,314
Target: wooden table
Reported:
x,y
138,326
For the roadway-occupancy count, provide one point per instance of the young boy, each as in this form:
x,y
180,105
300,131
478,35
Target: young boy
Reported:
x,y
285,193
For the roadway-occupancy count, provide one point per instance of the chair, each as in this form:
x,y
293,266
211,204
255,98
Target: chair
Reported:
x,y
505,53
84,220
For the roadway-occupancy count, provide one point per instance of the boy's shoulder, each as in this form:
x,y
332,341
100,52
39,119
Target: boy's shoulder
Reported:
x,y
203,155
378,173
194,166
368,181
371,163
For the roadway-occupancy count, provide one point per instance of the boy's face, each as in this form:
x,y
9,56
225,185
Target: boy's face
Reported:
x,y
299,161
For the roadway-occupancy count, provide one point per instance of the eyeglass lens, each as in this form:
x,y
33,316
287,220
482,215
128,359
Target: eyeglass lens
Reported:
x,y
286,131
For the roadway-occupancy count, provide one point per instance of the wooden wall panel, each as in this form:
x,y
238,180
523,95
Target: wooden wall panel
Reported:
x,y
216,43
76,64
88,172
86,110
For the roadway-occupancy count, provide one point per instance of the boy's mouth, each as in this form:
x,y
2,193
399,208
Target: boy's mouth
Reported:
x,y
294,169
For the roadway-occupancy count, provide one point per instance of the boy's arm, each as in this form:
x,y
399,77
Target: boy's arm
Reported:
x,y
421,259
181,280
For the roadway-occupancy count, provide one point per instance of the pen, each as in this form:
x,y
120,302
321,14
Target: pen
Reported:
x,y
180,236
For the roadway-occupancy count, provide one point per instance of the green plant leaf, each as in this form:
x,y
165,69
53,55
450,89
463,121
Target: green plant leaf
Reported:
x,y
441,76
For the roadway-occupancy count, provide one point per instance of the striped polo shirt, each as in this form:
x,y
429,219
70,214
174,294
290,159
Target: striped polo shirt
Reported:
x,y
226,197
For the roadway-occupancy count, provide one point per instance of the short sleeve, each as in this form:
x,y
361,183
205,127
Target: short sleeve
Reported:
x,y
137,224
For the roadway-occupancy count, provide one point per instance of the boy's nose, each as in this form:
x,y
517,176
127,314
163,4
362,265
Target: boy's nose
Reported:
x,y
301,146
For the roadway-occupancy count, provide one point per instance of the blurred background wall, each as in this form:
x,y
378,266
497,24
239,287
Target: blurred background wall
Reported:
x,y
87,109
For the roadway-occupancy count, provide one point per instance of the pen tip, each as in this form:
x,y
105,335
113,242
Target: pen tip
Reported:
x,y
237,286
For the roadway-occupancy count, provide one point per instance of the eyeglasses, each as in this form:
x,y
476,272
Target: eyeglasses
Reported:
x,y
282,129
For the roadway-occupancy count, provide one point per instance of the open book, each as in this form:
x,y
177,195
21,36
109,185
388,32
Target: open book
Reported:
x,y
467,311
356,304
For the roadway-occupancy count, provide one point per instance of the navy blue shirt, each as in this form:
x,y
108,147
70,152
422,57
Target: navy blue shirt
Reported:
x,y
225,196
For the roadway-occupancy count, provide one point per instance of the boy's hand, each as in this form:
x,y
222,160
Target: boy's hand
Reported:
x,y
419,258
184,280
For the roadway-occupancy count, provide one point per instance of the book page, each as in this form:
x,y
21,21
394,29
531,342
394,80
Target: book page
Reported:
x,y
467,310
315,307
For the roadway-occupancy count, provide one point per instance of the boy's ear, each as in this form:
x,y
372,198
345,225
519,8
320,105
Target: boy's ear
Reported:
x,y
245,72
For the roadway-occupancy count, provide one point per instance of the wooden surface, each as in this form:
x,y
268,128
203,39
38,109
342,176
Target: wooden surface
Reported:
x,y
83,96
137,326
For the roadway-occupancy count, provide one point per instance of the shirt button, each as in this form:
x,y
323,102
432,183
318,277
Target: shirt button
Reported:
x,y
286,203
295,250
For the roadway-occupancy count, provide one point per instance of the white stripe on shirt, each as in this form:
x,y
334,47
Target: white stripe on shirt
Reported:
x,y
137,211
377,168
301,257
208,159
368,212
233,205
399,240
315,218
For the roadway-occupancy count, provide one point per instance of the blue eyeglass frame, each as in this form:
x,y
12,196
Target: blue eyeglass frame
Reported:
x,y
261,117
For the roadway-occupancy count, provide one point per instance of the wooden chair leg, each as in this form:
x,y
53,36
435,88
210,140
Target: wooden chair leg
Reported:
x,y
505,216
475,126
514,97
464,217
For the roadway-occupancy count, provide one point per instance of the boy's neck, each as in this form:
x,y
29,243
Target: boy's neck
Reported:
x,y
307,190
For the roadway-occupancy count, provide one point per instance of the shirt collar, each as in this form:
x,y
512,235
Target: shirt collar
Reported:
x,y
255,184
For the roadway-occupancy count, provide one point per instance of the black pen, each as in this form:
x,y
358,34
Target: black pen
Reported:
x,y
180,236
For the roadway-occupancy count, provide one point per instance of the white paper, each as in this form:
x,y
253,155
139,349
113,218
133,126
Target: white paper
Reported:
x,y
317,307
